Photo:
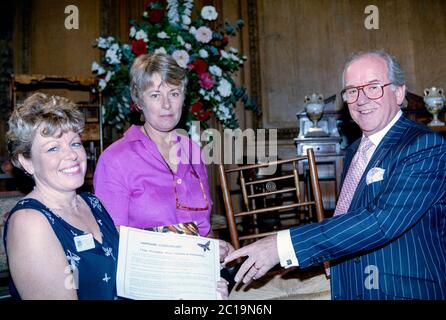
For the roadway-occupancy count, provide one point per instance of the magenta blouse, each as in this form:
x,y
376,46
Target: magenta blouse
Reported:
x,y
136,185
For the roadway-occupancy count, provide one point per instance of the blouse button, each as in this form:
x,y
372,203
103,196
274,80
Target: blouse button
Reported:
x,y
179,181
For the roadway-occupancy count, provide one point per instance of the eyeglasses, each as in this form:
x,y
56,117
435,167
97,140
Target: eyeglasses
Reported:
x,y
177,198
372,91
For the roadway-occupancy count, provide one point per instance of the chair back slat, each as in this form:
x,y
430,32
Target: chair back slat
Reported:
x,y
297,183
289,176
268,193
269,200
276,208
244,192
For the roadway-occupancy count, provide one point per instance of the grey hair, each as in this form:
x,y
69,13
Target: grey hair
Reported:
x,y
57,115
145,66
394,71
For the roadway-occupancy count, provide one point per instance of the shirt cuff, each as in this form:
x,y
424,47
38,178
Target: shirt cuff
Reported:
x,y
285,248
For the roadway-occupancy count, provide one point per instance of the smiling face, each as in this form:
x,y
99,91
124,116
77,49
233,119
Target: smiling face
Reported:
x,y
162,105
372,115
58,163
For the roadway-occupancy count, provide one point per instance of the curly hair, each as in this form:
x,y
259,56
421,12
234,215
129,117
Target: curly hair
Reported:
x,y
54,116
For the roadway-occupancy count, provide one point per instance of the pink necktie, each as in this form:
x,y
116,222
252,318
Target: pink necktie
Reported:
x,y
354,174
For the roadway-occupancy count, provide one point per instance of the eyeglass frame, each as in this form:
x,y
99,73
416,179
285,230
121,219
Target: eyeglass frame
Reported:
x,y
195,174
382,86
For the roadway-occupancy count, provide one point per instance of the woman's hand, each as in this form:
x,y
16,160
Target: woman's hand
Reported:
x,y
222,289
225,249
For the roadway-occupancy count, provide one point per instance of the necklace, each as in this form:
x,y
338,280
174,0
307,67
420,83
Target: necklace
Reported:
x,y
70,208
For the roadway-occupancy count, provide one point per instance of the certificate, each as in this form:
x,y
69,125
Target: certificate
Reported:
x,y
168,266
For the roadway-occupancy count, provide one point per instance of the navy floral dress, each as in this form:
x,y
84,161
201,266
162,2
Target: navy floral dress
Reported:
x,y
92,272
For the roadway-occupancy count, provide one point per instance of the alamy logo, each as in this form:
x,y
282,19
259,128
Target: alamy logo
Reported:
x,y
372,20
372,279
231,147
72,20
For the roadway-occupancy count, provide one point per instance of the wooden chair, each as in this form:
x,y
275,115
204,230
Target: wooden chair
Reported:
x,y
299,195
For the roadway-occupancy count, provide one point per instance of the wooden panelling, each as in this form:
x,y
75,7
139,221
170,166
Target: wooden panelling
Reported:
x,y
303,45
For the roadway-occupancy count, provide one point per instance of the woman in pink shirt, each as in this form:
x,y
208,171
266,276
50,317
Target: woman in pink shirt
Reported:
x,y
153,176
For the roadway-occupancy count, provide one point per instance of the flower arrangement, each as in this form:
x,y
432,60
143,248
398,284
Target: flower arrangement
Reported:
x,y
204,53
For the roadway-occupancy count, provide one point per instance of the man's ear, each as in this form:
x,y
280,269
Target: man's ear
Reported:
x,y
27,164
400,94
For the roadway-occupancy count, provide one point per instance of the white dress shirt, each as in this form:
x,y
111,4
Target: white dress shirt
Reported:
x,y
287,255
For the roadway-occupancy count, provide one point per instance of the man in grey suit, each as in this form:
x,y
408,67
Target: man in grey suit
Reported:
x,y
387,237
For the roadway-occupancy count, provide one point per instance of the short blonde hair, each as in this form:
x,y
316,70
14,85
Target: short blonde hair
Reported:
x,y
58,115
145,66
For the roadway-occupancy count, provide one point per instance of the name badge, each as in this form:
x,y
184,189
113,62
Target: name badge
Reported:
x,y
84,242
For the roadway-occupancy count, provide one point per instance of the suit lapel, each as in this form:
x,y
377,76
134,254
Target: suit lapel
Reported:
x,y
387,145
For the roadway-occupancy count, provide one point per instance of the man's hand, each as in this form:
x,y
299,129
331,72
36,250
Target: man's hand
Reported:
x,y
225,249
262,256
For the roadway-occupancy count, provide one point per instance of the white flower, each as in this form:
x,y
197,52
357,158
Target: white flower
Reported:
x,y
217,98
204,34
181,57
102,43
141,35
162,35
224,88
180,40
224,54
110,39
203,53
189,4
109,75
188,46
202,92
209,13
233,50
113,54
234,57
102,84
223,112
132,32
145,14
193,31
160,50
186,20
95,67
215,70
172,11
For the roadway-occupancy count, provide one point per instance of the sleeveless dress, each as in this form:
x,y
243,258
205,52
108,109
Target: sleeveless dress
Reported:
x,y
92,272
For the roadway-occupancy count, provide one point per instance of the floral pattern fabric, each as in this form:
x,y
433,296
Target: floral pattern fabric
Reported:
x,y
92,272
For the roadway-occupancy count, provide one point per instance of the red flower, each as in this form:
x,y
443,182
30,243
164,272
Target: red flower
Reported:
x,y
155,15
205,80
199,66
139,47
204,115
197,106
